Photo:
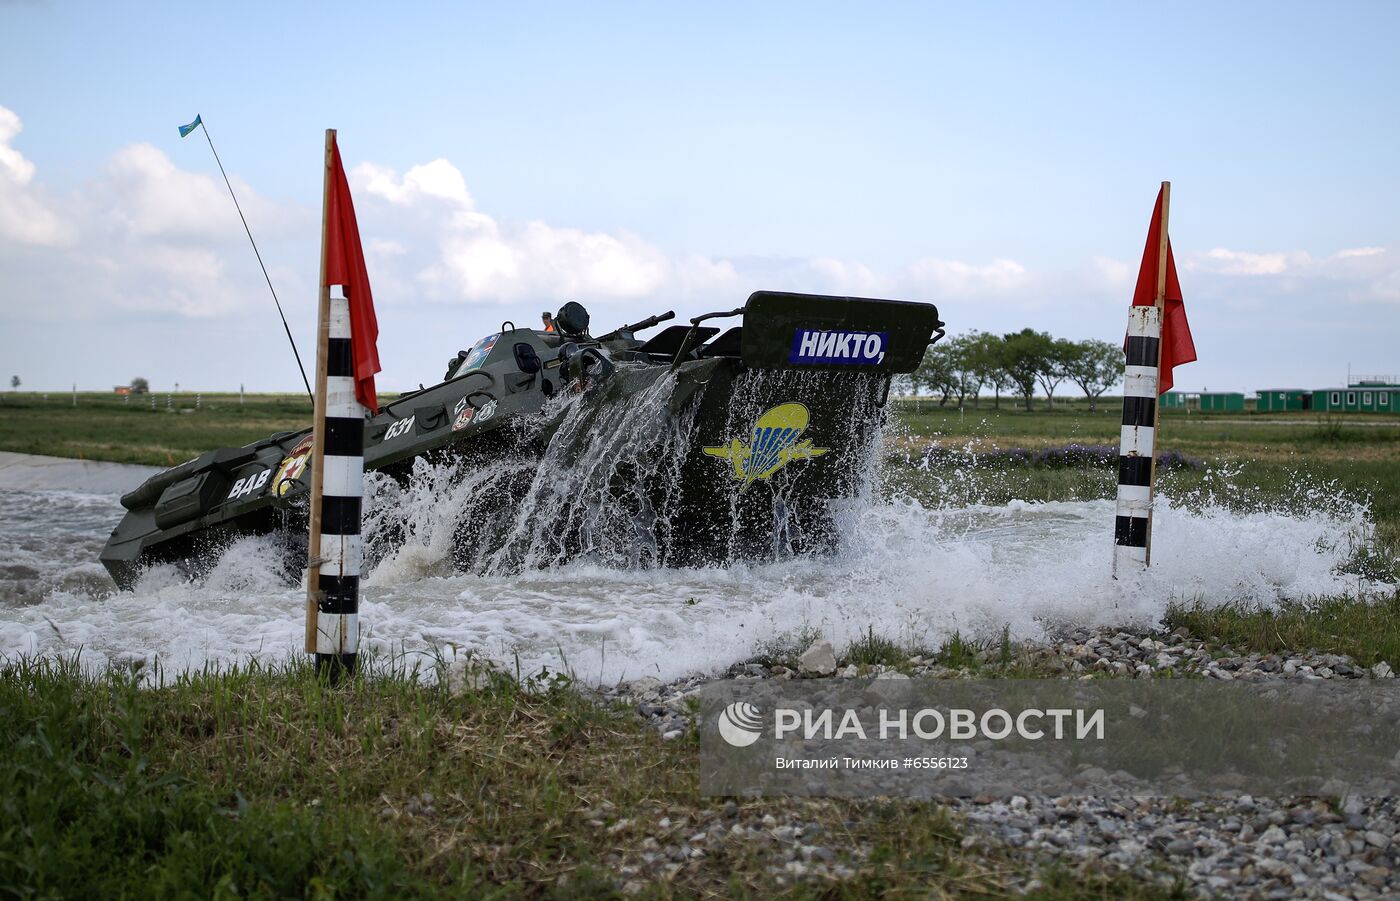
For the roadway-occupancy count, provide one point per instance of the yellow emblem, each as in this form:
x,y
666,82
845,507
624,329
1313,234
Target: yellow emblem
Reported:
x,y
774,444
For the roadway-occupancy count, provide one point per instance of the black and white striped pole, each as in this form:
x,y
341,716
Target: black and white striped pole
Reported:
x,y
1137,449
335,553
337,484
1137,445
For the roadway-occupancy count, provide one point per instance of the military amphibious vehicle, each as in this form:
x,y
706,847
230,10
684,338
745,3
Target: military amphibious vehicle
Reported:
x,y
738,436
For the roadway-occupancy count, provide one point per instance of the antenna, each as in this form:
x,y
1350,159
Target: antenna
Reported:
x,y
199,121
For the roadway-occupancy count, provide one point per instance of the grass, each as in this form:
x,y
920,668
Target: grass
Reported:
x,y
266,782
873,653
784,648
876,650
127,430
1366,630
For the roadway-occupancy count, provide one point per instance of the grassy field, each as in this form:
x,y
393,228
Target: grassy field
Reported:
x,y
268,783
127,429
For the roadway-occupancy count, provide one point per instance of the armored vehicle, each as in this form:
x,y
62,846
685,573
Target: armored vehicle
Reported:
x,y
738,436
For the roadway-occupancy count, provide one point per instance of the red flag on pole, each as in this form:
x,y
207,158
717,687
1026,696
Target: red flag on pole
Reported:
x,y
345,266
1177,346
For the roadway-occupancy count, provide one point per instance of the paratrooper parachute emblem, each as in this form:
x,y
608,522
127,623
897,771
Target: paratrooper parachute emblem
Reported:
x,y
773,445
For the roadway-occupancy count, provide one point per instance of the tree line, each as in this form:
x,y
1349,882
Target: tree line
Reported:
x,y
962,367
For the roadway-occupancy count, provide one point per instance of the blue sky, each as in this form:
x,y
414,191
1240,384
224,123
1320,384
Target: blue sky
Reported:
x,y
997,159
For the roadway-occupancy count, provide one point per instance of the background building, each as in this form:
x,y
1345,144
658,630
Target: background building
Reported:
x,y
1207,401
1366,396
1278,400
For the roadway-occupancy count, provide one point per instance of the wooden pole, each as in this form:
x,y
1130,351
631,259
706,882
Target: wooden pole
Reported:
x,y
1159,300
318,433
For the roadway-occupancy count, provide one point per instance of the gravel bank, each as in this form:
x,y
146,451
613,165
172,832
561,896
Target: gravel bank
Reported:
x,y
1249,846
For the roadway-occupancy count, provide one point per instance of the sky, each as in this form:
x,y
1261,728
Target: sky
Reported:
x,y
997,159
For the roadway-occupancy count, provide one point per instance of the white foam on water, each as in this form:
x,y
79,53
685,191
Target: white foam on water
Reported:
x,y
910,573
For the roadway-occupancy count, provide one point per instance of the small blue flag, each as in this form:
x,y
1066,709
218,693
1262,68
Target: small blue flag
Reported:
x,y
186,129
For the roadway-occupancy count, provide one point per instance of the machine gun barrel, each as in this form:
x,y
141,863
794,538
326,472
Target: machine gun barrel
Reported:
x,y
650,321
644,324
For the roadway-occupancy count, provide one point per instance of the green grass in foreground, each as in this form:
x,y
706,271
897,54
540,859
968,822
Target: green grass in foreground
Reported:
x,y
1366,630
266,782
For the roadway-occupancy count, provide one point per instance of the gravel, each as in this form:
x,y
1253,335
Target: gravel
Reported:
x,y
1249,846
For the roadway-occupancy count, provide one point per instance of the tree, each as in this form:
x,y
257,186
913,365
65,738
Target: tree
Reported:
x,y
985,366
1056,367
1027,354
1095,367
140,385
991,357
935,373
967,377
14,383
958,367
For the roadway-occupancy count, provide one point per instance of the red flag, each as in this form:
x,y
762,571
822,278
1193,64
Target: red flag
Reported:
x,y
345,265
1177,346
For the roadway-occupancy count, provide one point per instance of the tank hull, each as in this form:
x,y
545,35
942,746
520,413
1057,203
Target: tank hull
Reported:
x,y
642,454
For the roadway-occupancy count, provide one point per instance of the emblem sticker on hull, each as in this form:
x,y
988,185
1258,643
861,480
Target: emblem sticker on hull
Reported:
x,y
773,444
838,347
291,468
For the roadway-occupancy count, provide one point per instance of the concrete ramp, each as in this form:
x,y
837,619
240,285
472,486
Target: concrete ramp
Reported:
x,y
31,472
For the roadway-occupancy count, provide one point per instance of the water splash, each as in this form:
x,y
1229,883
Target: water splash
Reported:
x,y
608,488
943,552
615,486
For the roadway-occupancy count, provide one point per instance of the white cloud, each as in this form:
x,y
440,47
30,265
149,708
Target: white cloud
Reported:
x,y
1359,252
26,217
1385,287
959,279
695,275
1121,274
479,259
848,278
1240,262
144,194
473,258
1356,274
384,247
142,236
482,261
438,179
169,240
12,162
